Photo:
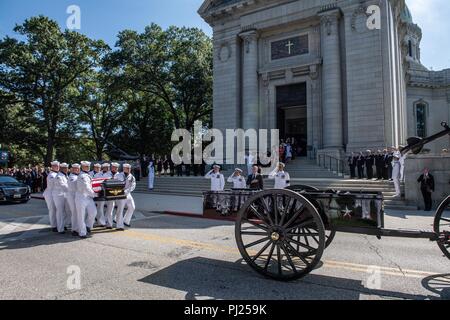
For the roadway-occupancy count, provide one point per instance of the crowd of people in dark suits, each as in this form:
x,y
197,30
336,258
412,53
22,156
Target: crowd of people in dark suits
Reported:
x,y
164,166
34,177
373,165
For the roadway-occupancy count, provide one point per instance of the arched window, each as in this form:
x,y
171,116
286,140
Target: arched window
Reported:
x,y
420,113
410,48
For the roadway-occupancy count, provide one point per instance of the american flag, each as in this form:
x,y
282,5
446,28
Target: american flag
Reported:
x,y
97,184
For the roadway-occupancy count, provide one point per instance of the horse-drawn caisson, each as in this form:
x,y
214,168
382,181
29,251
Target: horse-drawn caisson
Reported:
x,y
282,234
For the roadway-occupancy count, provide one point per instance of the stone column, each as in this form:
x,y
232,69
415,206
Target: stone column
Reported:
x,y
331,80
250,93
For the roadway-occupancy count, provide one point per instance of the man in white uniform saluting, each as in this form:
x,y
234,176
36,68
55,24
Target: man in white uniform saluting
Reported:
x,y
237,179
217,179
282,178
84,200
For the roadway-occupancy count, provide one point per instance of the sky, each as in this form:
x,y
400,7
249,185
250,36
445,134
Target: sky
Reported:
x,y
103,19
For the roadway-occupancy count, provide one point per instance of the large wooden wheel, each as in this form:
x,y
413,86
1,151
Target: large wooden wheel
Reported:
x,y
442,226
280,234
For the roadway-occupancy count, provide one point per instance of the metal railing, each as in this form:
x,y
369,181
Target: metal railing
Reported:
x,y
333,164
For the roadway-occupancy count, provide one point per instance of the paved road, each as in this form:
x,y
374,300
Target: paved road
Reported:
x,y
171,257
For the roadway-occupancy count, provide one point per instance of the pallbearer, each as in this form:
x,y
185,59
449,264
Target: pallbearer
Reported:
x,y
130,185
110,204
217,179
282,178
59,190
84,200
51,177
64,169
75,171
105,174
237,179
97,169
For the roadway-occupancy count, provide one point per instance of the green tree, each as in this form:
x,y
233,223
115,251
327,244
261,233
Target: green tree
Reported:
x,y
40,72
174,65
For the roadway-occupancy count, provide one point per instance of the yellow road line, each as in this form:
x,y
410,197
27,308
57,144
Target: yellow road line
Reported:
x,y
326,263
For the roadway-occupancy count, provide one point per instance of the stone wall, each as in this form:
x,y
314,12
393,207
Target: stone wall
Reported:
x,y
439,166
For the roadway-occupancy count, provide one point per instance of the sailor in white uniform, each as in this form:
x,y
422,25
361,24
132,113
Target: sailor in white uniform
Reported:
x,y
130,185
237,179
110,216
396,168
64,169
151,174
97,169
49,197
59,189
84,200
104,174
75,171
282,178
217,179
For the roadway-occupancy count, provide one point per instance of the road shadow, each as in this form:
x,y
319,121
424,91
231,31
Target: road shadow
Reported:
x,y
204,278
438,284
41,237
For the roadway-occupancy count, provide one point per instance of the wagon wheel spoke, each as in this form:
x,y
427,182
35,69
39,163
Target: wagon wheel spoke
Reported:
x,y
258,214
254,243
445,219
289,258
270,256
311,235
254,233
280,272
295,216
291,204
303,224
266,207
261,251
306,262
275,207
257,225
300,244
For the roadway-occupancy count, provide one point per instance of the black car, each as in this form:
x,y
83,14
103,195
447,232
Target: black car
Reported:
x,y
12,190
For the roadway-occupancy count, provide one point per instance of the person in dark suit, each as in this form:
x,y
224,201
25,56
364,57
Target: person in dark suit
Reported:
x,y
351,160
386,164
171,166
255,180
390,158
426,181
360,162
379,164
369,163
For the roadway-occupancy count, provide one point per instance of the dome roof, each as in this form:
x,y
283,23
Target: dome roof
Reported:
x,y
406,15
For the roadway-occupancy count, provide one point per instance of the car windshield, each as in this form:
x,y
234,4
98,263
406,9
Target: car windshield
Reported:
x,y
5,179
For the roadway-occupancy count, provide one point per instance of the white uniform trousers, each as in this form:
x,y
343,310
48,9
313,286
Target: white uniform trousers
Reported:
x,y
82,204
151,179
59,201
73,211
396,178
51,209
101,213
130,209
109,213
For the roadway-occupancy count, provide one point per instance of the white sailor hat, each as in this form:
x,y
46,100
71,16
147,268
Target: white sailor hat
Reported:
x,y
54,163
115,164
97,165
64,165
237,169
105,165
281,164
85,163
126,165
76,165
216,166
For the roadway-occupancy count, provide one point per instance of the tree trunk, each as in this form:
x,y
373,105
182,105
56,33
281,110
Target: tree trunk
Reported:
x,y
50,147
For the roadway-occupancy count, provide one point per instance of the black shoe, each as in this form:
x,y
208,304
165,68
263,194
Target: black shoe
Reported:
x,y
75,234
54,229
114,221
120,229
88,230
127,225
63,232
109,228
65,228
83,237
